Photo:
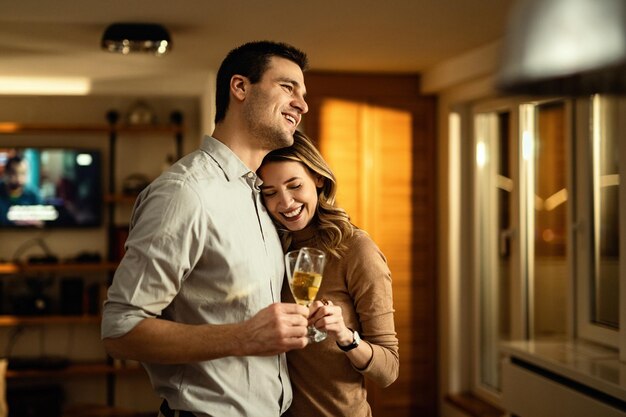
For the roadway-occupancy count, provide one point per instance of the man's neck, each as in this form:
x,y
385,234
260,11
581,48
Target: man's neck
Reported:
x,y
242,144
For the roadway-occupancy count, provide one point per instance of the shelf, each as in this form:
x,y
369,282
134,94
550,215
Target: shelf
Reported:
x,y
75,369
8,128
21,268
120,198
8,321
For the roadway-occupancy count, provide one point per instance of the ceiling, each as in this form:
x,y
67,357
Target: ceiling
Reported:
x,y
61,39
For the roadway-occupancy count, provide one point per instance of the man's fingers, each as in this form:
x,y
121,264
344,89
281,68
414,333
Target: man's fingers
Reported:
x,y
291,308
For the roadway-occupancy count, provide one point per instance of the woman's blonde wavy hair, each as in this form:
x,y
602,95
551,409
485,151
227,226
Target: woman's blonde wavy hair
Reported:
x,y
332,223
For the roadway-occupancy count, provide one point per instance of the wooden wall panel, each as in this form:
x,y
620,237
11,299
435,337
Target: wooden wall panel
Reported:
x,y
378,136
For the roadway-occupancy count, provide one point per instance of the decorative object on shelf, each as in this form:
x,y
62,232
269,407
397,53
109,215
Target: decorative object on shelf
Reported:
x,y
87,257
134,183
126,38
141,113
48,256
33,299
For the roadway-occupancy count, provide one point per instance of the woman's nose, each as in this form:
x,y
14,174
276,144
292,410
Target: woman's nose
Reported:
x,y
286,199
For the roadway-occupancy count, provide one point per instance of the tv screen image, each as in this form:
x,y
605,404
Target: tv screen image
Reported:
x,y
50,187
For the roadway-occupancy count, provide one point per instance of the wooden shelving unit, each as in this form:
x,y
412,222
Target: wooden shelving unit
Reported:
x,y
11,268
106,368
119,199
10,128
74,369
10,321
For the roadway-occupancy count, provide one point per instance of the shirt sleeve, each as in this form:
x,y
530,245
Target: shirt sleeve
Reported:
x,y
163,245
369,284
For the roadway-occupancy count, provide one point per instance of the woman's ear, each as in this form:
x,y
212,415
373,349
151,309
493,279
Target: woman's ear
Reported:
x,y
319,181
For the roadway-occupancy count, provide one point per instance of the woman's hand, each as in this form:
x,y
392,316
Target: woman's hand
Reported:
x,y
326,316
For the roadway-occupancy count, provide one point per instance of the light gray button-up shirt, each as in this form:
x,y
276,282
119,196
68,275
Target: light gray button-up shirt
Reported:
x,y
202,249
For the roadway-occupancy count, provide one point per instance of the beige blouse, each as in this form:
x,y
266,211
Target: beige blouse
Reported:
x,y
324,381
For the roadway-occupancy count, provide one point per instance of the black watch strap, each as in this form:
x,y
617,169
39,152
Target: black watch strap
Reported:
x,y
355,341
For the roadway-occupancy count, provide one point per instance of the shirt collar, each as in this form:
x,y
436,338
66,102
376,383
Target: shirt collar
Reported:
x,y
230,163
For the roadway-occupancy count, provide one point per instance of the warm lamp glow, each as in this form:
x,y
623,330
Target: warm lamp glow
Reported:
x,y
45,85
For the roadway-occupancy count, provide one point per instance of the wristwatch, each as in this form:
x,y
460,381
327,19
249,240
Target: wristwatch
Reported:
x,y
355,342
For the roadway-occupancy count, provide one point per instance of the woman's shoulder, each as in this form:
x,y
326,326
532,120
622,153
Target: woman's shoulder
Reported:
x,y
363,257
361,243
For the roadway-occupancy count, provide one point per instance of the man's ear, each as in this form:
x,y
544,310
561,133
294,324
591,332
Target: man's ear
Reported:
x,y
239,86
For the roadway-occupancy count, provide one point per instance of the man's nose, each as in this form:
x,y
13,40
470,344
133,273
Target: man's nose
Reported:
x,y
300,104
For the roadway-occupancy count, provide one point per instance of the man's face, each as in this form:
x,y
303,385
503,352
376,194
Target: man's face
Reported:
x,y
275,105
16,176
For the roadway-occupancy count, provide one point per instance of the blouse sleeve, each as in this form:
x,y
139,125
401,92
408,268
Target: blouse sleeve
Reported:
x,y
369,283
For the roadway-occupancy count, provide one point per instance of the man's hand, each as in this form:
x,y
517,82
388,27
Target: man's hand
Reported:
x,y
277,328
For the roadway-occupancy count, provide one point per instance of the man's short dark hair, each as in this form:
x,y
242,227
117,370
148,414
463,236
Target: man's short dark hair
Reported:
x,y
12,162
251,61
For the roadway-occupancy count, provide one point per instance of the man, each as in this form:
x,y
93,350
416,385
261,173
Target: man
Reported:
x,y
15,191
196,297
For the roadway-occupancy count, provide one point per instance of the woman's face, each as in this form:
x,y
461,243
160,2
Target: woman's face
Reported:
x,y
290,193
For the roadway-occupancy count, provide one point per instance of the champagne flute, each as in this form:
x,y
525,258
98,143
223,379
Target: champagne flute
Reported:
x,y
304,273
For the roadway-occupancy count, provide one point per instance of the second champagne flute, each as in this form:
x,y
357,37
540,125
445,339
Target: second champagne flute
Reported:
x,y
304,272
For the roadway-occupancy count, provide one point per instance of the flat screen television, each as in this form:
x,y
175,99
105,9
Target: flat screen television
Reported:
x,y
50,187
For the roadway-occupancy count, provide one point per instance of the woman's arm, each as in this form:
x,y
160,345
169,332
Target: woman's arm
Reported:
x,y
368,281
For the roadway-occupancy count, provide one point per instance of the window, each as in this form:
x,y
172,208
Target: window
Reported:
x,y
597,272
606,179
493,189
546,226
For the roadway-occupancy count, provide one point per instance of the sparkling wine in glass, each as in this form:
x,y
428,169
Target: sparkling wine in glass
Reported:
x,y
304,272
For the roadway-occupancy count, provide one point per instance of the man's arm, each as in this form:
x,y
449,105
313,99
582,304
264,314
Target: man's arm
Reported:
x,y
277,328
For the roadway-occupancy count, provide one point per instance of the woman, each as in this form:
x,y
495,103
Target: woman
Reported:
x,y
328,377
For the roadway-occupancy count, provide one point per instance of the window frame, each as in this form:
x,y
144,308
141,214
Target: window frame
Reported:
x,y
517,291
585,328
579,325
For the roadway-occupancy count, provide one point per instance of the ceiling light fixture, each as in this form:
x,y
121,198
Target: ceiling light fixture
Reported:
x,y
126,38
571,47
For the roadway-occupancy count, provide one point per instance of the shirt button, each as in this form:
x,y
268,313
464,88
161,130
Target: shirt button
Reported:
x,y
250,175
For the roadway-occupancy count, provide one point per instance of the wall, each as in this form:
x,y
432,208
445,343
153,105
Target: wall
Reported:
x,y
459,83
